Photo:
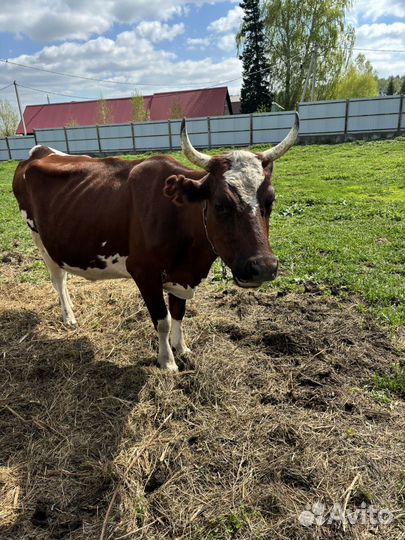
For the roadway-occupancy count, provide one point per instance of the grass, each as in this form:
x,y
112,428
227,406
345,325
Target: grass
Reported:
x,y
338,223
285,401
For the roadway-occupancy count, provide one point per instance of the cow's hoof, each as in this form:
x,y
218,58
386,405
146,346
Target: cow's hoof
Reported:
x,y
183,351
70,323
170,367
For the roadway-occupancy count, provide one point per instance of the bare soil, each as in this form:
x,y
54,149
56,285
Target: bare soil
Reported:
x,y
269,416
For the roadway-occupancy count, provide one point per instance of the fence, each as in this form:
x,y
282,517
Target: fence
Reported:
x,y
343,119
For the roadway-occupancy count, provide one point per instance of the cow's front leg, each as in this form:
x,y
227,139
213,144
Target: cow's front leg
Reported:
x,y
177,308
152,292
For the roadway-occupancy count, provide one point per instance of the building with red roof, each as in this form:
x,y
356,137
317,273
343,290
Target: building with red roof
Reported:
x,y
162,106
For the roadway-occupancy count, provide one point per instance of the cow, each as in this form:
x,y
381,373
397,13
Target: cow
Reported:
x,y
154,221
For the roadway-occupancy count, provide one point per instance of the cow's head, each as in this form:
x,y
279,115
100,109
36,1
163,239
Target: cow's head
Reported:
x,y
237,197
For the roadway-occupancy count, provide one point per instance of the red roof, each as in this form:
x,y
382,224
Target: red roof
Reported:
x,y
188,103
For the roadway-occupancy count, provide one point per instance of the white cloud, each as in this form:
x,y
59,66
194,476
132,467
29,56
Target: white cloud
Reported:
x,y
155,31
198,43
227,43
58,20
374,10
229,23
382,37
128,57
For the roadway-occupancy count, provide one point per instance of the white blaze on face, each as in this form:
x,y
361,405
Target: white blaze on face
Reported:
x,y
245,175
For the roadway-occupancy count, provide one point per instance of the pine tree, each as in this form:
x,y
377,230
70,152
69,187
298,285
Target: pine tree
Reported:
x,y
391,87
402,89
255,93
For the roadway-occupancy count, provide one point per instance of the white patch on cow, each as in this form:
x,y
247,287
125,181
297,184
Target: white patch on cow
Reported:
x,y
29,221
185,293
115,269
165,358
33,149
177,337
103,244
245,175
58,152
59,278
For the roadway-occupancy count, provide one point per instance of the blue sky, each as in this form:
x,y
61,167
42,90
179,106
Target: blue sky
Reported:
x,y
152,45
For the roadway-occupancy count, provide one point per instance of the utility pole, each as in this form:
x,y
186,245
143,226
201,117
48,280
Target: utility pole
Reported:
x,y
47,97
315,53
311,64
19,108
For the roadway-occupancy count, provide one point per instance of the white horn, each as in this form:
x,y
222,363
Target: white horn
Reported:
x,y
281,148
196,157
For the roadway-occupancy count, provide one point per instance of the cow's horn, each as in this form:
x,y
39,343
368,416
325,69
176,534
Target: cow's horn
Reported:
x,y
281,148
196,157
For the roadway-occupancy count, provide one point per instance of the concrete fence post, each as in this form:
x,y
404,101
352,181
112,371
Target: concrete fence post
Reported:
x,y
401,109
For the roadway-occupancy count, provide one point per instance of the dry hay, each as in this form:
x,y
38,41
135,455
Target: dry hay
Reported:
x,y
269,415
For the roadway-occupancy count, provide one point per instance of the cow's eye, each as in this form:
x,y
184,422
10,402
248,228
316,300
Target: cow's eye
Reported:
x,y
222,208
267,207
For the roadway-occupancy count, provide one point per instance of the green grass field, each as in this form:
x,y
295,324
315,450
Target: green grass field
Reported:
x,y
338,224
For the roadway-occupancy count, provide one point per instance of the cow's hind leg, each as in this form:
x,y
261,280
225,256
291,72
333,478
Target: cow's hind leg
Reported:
x,y
151,290
177,308
58,278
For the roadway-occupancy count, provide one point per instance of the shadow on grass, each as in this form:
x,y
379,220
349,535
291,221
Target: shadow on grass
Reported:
x,y
62,415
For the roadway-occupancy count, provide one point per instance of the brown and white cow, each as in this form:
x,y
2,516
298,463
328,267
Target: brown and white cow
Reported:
x,y
153,220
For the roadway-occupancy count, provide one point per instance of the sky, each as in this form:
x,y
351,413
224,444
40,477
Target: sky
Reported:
x,y
149,46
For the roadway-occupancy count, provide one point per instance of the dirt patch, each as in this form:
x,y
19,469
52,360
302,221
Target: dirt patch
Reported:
x,y
268,419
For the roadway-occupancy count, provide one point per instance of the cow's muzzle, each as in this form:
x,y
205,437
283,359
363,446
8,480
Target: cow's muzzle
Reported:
x,y
255,271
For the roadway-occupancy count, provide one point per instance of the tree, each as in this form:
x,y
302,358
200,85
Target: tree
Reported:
x,y
390,87
72,122
176,110
8,119
104,114
399,84
359,80
255,93
293,28
139,111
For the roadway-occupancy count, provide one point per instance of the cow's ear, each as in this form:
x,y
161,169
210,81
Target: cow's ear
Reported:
x,y
266,164
180,189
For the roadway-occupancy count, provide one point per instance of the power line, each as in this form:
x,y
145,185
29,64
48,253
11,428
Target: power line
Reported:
x,y
380,50
107,81
5,87
54,93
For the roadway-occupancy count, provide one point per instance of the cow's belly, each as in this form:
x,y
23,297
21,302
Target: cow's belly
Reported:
x,y
115,268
